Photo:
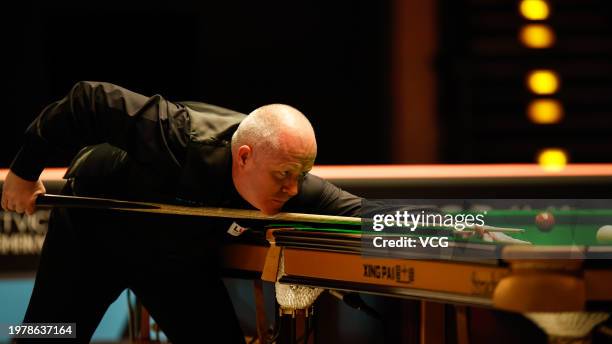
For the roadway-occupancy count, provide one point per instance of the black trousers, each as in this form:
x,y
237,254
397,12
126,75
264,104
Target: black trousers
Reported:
x,y
91,256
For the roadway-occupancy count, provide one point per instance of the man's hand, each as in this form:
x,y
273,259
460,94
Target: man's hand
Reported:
x,y
489,236
497,236
19,194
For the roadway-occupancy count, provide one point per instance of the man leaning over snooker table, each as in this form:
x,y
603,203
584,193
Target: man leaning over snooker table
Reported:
x,y
129,146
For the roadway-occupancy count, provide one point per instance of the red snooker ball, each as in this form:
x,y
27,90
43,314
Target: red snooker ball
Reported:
x,y
545,221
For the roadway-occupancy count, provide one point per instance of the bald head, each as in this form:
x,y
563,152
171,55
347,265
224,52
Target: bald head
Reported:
x,y
272,150
274,127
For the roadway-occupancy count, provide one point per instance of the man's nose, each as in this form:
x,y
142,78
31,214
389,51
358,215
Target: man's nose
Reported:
x,y
291,187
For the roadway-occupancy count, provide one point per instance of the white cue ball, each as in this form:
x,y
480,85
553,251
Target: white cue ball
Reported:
x,y
604,234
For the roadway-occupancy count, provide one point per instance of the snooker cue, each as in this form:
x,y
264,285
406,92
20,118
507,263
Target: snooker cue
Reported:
x,y
50,200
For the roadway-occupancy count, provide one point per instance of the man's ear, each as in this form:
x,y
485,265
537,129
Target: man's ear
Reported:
x,y
244,153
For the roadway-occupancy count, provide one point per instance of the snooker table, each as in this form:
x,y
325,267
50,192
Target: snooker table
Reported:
x,y
565,272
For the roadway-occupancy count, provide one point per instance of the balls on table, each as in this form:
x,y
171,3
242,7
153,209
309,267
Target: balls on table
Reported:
x,y
604,234
545,221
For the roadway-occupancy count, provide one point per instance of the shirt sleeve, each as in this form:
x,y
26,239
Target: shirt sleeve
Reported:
x,y
149,129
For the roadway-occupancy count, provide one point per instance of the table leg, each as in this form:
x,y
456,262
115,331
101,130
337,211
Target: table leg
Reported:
x,y
432,323
461,315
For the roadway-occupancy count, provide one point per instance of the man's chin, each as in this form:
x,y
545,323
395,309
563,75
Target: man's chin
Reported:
x,y
270,211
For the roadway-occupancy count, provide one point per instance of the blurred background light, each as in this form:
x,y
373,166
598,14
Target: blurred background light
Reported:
x,y
534,9
552,159
537,36
543,81
545,111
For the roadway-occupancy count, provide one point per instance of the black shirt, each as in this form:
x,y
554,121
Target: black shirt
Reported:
x,y
147,148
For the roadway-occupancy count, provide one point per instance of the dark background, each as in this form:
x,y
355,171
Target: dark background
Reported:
x,y
482,94
326,58
334,60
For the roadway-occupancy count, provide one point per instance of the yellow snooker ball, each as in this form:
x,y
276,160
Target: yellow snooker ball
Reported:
x,y
604,234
